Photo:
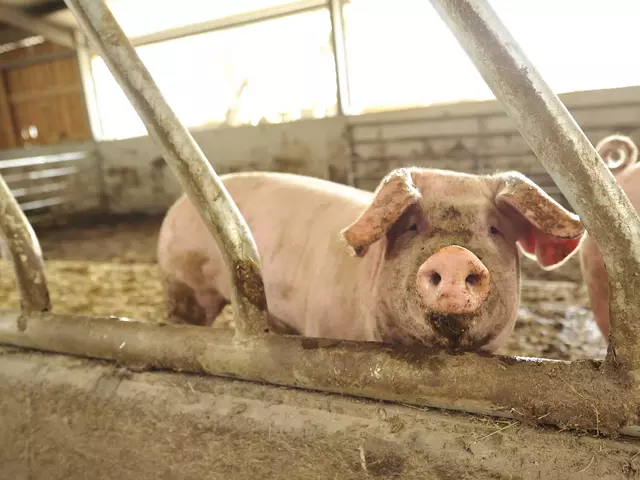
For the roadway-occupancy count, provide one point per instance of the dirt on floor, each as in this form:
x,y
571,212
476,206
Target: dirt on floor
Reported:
x,y
111,269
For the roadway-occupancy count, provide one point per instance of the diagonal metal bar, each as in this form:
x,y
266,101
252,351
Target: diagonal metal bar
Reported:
x,y
24,21
195,173
24,249
568,156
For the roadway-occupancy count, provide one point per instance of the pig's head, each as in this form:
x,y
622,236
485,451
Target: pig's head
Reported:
x,y
443,250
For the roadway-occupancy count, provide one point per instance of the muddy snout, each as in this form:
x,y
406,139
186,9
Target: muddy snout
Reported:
x,y
453,281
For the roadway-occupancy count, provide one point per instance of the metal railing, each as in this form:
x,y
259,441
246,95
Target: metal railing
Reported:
x,y
589,395
52,186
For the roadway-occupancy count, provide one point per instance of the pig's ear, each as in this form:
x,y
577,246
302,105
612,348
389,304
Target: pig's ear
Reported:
x,y
618,152
550,234
393,196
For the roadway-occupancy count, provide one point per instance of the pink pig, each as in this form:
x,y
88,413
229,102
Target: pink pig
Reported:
x,y
429,258
621,154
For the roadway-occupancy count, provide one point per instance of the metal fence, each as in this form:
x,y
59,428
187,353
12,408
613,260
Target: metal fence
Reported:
x,y
52,186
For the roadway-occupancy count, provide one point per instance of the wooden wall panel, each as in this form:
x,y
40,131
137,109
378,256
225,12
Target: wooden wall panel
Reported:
x,y
46,95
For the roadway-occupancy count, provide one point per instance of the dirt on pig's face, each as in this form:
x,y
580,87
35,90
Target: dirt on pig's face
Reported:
x,y
444,253
469,219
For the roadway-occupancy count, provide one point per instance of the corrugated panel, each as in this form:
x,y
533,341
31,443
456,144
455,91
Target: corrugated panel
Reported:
x,y
484,143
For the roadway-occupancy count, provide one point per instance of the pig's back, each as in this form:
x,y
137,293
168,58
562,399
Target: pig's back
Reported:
x,y
296,223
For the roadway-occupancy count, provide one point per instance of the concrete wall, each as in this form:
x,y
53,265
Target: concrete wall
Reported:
x,y
136,179
471,137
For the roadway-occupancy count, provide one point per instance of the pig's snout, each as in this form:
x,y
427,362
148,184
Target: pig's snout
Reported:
x,y
453,281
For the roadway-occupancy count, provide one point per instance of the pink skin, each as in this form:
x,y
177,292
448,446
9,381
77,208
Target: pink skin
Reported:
x,y
349,264
453,280
621,154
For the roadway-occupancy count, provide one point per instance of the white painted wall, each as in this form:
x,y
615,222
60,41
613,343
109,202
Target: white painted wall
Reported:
x,y
308,146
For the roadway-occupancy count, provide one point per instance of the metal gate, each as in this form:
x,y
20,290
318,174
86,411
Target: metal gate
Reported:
x,y
54,184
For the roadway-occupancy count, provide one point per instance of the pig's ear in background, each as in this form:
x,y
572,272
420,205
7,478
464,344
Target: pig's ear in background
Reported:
x,y
618,152
394,195
550,233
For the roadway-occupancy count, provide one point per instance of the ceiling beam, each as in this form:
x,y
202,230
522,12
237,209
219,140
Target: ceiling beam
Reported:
x,y
47,8
16,18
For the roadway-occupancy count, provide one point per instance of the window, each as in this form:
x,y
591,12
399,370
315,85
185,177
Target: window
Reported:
x,y
273,71
406,56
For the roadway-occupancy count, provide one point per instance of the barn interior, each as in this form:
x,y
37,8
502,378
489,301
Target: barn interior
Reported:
x,y
343,90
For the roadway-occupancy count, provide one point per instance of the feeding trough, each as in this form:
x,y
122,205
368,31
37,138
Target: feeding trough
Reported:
x,y
593,396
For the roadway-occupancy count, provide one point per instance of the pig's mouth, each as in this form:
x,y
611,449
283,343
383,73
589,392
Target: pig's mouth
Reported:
x,y
453,332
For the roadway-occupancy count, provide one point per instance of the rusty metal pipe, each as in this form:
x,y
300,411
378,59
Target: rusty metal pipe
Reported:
x,y
582,397
24,249
568,156
187,161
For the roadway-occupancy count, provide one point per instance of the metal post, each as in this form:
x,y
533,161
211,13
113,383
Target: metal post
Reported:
x,y
83,55
24,250
195,173
339,56
92,111
568,156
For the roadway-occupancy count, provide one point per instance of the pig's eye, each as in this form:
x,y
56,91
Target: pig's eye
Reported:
x,y
494,231
413,227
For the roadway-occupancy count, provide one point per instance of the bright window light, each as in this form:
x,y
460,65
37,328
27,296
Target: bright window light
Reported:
x,y
273,71
405,56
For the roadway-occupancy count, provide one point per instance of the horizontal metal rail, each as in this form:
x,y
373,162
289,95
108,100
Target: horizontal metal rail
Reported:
x,y
568,156
42,174
583,398
43,160
196,175
231,21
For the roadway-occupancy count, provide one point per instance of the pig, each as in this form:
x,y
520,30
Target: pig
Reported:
x,y
429,258
620,153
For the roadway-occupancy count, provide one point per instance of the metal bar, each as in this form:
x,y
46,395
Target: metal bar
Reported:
x,y
232,21
340,56
50,202
185,158
83,54
43,160
568,156
38,189
24,249
583,398
92,112
41,174
26,62
61,36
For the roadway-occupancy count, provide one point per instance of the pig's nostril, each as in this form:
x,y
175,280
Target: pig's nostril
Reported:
x,y
436,278
472,280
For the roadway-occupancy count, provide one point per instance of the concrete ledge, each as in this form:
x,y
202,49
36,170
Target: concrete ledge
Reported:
x,y
68,418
